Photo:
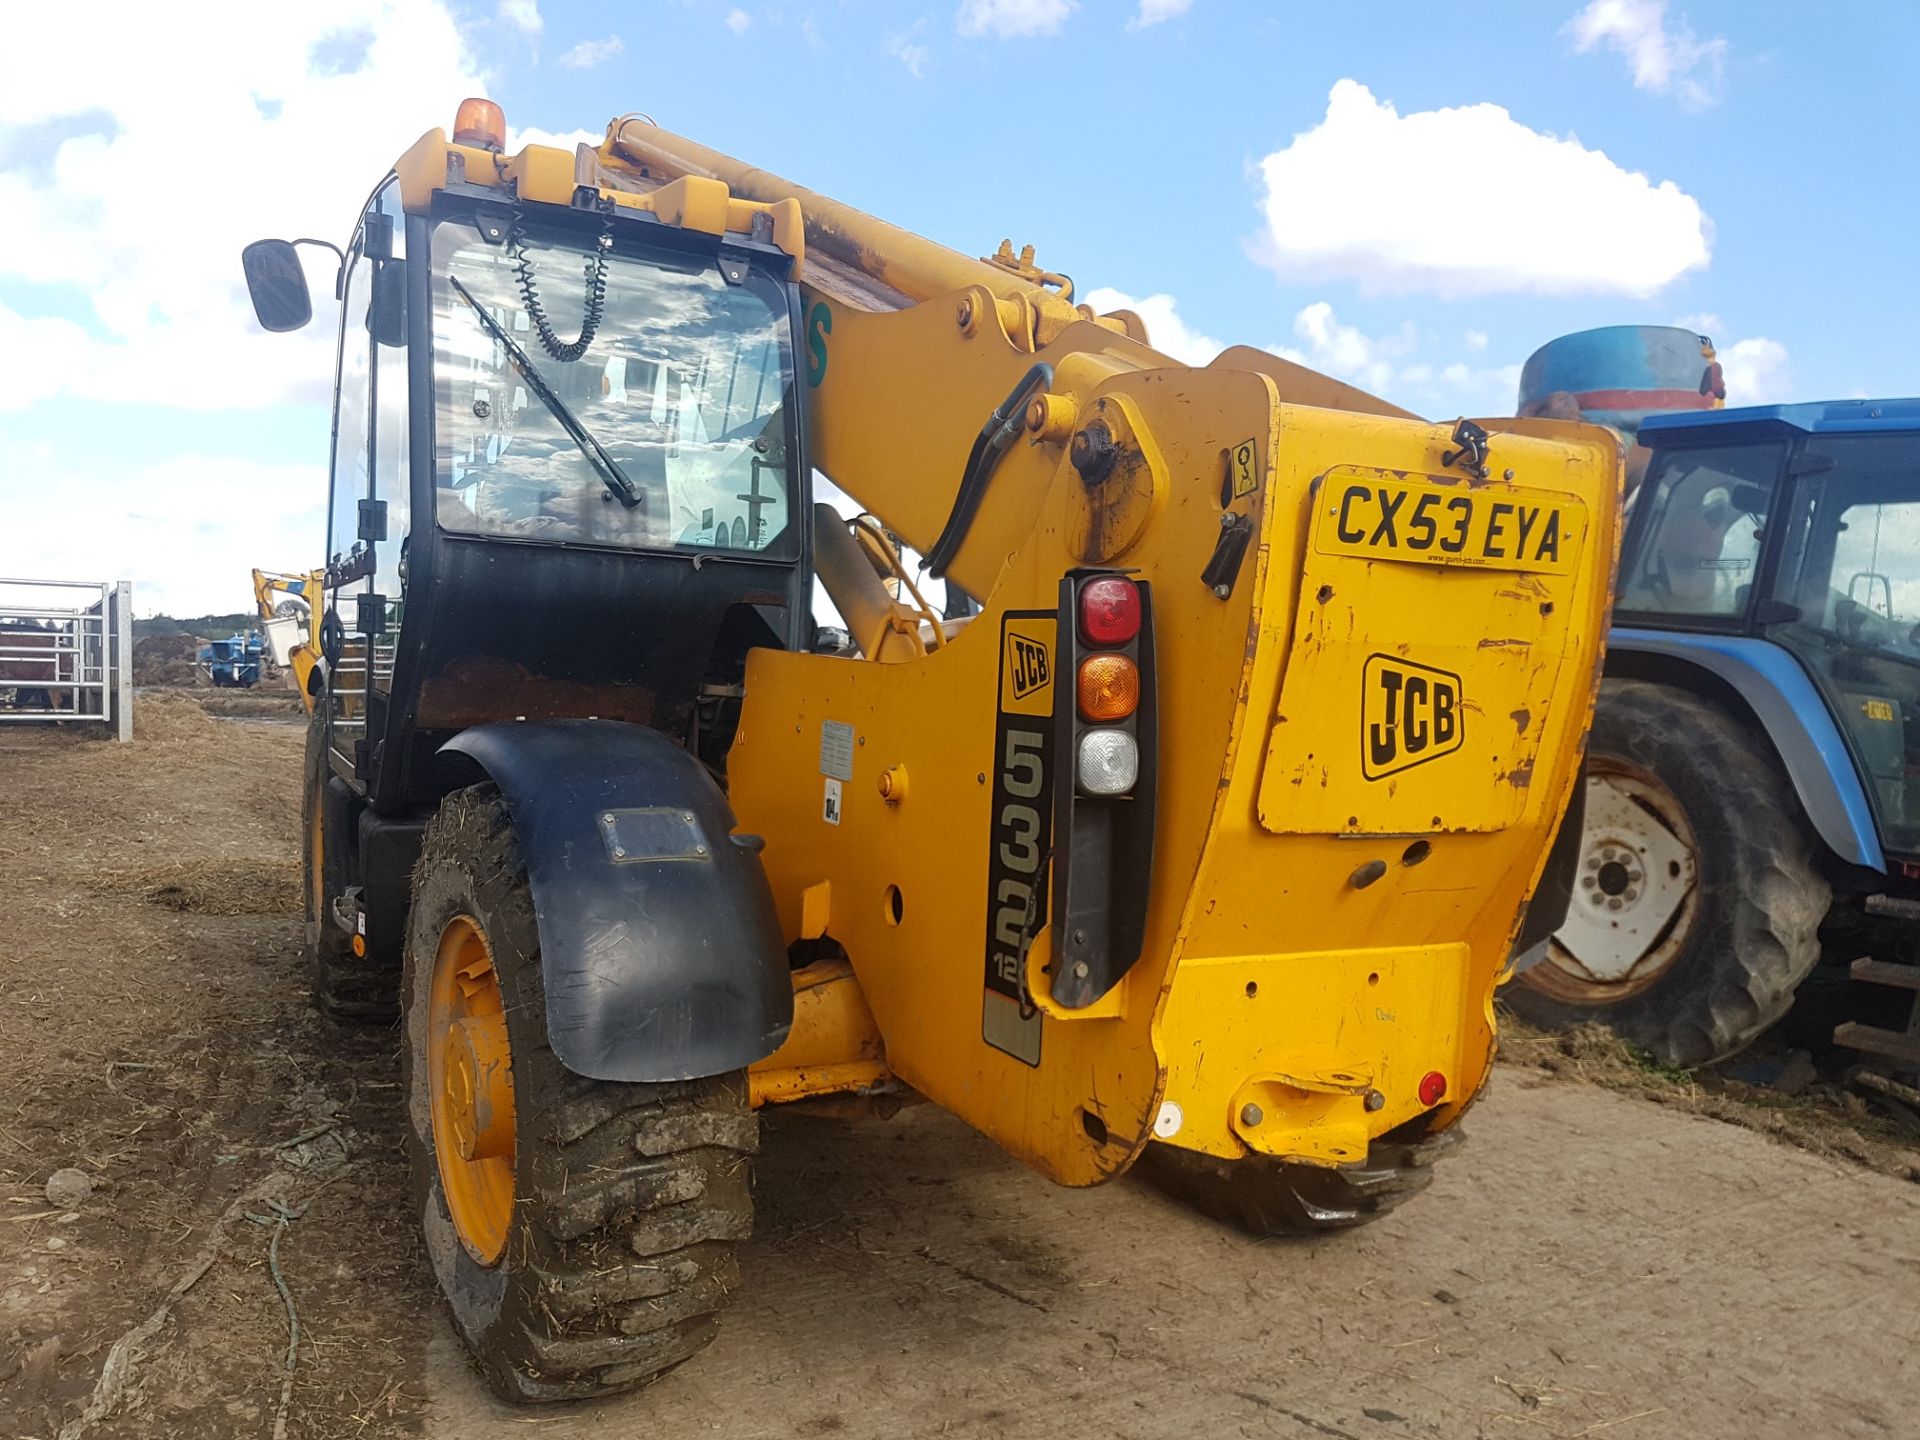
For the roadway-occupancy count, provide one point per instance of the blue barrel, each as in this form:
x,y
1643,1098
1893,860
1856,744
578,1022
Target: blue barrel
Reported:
x,y
1619,373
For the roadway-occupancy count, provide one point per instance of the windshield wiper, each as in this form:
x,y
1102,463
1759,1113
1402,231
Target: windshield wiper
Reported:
x,y
611,475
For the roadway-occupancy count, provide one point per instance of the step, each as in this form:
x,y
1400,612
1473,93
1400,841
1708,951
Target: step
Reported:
x,y
1884,972
1893,905
1872,1040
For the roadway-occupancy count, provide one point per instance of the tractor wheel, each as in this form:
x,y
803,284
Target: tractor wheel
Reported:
x,y
582,1231
1698,905
1264,1196
345,985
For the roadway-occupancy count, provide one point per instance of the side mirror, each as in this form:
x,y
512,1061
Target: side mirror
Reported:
x,y
277,285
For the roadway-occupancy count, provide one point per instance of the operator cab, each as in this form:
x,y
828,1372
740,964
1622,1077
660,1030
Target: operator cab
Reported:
x,y
568,474
1798,524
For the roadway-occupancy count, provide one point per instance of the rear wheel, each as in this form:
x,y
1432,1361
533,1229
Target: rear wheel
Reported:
x,y
345,985
1265,1196
1698,905
582,1231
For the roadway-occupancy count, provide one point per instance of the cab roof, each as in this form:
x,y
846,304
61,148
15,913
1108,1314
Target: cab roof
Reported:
x,y
1756,421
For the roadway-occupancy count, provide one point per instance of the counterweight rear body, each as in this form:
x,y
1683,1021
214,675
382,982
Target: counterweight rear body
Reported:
x,y
1372,671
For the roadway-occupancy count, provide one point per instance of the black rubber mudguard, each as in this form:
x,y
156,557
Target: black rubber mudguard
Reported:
x,y
660,947
1547,908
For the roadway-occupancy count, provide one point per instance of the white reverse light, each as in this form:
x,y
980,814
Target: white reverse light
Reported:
x,y
1109,762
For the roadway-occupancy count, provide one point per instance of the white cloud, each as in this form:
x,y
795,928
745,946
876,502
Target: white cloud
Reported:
x,y
1166,331
145,269
1152,12
1588,226
910,54
1011,19
1666,61
1757,371
102,222
40,358
738,21
567,140
1385,365
523,15
589,53
1703,323
1346,352
1475,339
185,530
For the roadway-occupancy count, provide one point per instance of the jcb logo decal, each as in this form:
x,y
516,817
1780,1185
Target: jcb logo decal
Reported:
x,y
1409,714
1028,669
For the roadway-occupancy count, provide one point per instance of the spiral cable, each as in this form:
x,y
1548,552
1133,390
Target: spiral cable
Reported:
x,y
596,277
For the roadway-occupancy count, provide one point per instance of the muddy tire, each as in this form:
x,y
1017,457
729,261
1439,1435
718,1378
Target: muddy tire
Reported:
x,y
1716,973
344,985
1264,1196
626,1200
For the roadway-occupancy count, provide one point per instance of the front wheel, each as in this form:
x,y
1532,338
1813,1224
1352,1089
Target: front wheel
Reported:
x,y
1698,905
582,1231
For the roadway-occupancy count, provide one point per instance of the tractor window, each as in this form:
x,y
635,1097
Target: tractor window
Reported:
x,y
685,386
1697,529
1850,570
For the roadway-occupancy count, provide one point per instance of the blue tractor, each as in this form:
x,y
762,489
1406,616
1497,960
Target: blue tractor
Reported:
x,y
233,663
1754,767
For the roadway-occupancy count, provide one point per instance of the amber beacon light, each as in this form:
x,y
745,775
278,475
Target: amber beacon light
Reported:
x,y
480,122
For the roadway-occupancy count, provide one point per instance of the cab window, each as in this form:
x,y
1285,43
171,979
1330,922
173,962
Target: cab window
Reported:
x,y
1698,528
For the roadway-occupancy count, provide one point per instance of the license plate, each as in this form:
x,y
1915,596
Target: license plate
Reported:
x,y
1374,515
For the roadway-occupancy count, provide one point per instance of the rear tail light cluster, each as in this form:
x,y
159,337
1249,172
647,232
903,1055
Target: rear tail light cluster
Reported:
x,y
1107,685
1104,800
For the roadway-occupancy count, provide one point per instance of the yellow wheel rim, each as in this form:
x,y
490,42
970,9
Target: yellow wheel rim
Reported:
x,y
470,1071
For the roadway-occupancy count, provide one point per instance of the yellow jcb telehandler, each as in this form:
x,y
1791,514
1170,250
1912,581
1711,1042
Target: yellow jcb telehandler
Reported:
x,y
1187,823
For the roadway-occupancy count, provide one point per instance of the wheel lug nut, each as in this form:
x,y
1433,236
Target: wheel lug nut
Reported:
x,y
1587,880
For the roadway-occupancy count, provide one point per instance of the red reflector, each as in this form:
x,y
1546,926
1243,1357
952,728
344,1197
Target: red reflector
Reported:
x,y
1433,1087
1109,610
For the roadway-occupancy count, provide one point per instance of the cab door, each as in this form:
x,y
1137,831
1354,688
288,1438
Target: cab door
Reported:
x,y
368,514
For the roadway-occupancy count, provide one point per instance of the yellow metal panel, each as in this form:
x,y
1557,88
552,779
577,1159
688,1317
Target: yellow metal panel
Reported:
x,y
693,204
543,175
1085,1107
1421,676
833,1046
1305,1036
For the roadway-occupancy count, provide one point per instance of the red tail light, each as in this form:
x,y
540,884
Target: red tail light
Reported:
x,y
1109,610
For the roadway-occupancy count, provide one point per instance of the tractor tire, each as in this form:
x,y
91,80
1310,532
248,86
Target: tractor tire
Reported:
x,y
344,985
1264,1196
1705,807
612,1245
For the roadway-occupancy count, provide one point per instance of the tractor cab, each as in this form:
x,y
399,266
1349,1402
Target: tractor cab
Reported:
x,y
1798,525
568,480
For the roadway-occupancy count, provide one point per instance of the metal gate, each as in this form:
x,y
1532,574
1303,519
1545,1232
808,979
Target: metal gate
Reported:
x,y
66,652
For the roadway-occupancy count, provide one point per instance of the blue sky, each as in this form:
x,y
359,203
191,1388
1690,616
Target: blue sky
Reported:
x,y
1410,195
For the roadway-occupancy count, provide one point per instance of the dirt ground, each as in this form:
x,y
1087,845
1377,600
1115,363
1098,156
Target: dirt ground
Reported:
x,y
1608,1257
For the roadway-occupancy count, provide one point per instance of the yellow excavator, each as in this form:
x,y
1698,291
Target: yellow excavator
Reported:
x,y
292,624
1186,765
